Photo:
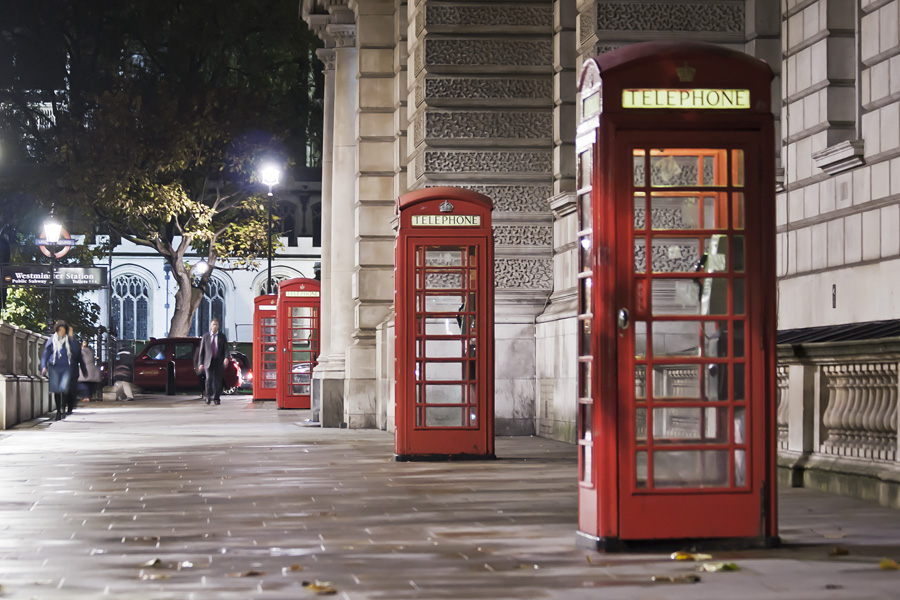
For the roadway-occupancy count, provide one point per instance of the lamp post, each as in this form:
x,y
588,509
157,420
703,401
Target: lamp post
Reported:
x,y
270,175
52,231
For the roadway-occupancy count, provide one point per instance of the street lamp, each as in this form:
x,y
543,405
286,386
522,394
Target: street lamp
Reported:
x,y
52,231
270,175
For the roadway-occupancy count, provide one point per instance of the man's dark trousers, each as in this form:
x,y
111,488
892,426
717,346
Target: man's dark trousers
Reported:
x,y
214,382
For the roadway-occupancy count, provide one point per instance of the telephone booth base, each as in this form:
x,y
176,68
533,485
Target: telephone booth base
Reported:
x,y
589,542
443,457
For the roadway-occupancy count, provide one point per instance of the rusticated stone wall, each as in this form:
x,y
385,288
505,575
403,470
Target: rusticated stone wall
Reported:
x,y
481,106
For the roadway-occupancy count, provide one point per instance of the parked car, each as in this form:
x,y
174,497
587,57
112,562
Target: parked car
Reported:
x,y
246,370
152,363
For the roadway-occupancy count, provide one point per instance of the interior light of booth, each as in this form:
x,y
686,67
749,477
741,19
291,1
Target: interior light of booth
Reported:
x,y
702,98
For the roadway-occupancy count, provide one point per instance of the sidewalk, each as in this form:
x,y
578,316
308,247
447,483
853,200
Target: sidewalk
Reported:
x,y
243,488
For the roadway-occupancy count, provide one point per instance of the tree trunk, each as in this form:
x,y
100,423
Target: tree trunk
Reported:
x,y
185,304
187,297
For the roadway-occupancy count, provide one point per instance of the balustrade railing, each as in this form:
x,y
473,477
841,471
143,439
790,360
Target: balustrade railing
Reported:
x,y
781,414
860,417
23,391
840,406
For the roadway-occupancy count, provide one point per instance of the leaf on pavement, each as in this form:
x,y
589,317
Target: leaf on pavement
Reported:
x,y
720,566
839,551
321,588
887,564
250,573
686,578
154,564
682,555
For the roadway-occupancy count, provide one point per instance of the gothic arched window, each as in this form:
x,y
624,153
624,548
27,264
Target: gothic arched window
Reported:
x,y
130,307
212,306
276,277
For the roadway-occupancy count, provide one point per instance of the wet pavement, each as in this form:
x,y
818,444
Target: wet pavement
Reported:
x,y
244,501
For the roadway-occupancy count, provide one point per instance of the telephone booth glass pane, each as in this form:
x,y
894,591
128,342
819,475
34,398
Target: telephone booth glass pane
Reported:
x,y
685,417
447,336
269,346
303,350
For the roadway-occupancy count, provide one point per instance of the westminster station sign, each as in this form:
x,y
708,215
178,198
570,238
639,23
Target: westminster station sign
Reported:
x,y
65,277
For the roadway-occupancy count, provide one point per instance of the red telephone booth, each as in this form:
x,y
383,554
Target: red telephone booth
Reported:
x,y
298,340
444,299
265,347
676,342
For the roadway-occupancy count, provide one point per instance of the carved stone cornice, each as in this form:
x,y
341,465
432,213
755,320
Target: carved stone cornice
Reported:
x,y
326,55
343,35
841,157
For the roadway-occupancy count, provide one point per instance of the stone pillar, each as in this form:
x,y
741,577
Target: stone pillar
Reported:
x,y
802,392
8,380
373,287
343,193
327,56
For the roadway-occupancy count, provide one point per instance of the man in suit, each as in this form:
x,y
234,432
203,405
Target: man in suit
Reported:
x,y
212,361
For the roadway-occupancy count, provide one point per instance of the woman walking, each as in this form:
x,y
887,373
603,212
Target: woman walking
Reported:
x,y
60,361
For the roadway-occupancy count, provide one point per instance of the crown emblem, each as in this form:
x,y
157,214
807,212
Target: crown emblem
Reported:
x,y
446,206
686,73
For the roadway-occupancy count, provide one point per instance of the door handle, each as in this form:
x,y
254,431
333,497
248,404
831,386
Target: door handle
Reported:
x,y
623,319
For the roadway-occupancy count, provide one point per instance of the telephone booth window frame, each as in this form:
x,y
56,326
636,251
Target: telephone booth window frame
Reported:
x,y
659,73
444,326
265,347
298,319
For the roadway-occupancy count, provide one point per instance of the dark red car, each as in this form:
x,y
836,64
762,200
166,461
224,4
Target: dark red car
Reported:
x,y
151,364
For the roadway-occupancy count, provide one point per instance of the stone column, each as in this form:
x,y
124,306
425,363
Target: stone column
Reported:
x,y
327,56
342,250
373,287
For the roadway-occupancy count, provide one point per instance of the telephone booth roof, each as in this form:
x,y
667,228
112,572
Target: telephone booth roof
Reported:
x,y
298,281
436,193
265,299
677,65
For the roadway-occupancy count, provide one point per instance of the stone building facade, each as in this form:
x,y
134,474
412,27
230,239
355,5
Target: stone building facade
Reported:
x,y
482,95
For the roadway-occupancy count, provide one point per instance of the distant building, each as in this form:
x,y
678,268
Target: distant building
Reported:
x,y
143,289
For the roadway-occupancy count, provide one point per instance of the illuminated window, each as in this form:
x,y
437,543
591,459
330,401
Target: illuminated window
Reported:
x,y
130,302
212,306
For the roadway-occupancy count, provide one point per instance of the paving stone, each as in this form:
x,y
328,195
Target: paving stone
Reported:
x,y
244,487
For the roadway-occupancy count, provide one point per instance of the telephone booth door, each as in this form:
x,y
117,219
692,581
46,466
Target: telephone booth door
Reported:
x,y
265,347
677,297
298,341
444,326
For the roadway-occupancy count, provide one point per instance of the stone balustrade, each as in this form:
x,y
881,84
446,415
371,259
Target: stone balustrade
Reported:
x,y
837,418
24,393
781,414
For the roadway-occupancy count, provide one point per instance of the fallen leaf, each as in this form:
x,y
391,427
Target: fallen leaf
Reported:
x,y
589,559
320,588
250,573
716,567
839,551
686,578
887,564
152,576
682,555
296,568
154,564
